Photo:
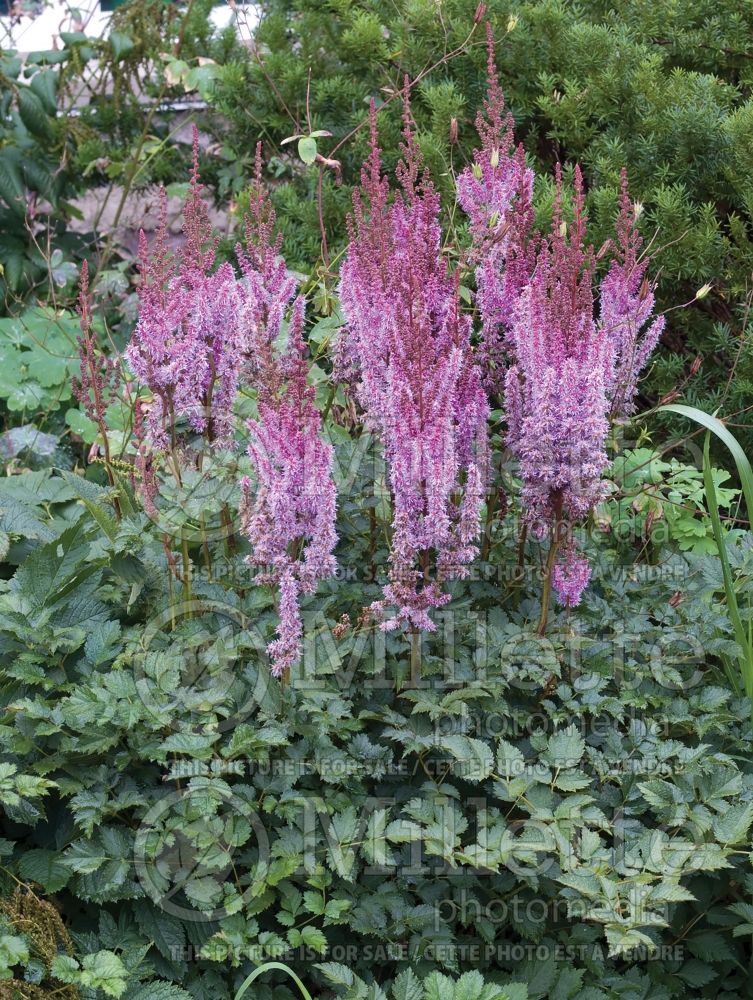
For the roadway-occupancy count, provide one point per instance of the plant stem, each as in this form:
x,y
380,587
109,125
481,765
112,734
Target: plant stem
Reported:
x,y
415,658
205,549
521,554
328,404
547,591
559,533
186,568
227,524
170,588
372,543
491,508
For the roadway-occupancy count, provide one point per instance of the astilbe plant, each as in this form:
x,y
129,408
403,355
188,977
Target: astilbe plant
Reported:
x,y
565,372
556,402
288,512
570,371
201,332
269,286
566,368
408,353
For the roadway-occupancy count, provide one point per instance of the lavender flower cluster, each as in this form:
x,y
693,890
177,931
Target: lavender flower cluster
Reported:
x,y
568,369
201,332
562,355
288,514
417,380
190,329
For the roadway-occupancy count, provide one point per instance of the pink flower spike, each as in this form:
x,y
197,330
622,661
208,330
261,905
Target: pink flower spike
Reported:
x,y
289,510
496,193
407,354
570,575
187,342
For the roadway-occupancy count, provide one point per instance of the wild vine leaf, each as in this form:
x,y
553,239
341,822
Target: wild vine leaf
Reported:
x,y
45,868
307,149
733,825
33,114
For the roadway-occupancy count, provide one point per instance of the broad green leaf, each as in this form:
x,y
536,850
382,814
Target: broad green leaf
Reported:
x,y
733,825
45,868
104,971
407,986
121,43
91,496
565,748
307,149
159,991
475,761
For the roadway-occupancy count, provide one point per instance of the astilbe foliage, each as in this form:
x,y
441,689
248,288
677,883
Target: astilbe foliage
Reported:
x,y
408,352
288,512
187,344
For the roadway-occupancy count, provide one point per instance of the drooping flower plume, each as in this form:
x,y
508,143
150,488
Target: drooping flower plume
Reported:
x,y
570,574
186,346
288,511
269,287
408,352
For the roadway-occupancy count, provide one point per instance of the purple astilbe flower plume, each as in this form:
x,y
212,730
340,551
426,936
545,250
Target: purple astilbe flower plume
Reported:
x,y
408,351
496,193
556,393
626,305
187,342
269,287
288,512
556,390
571,374
570,575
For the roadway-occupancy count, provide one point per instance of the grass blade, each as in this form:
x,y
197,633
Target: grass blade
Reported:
x,y
266,968
714,426
741,634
